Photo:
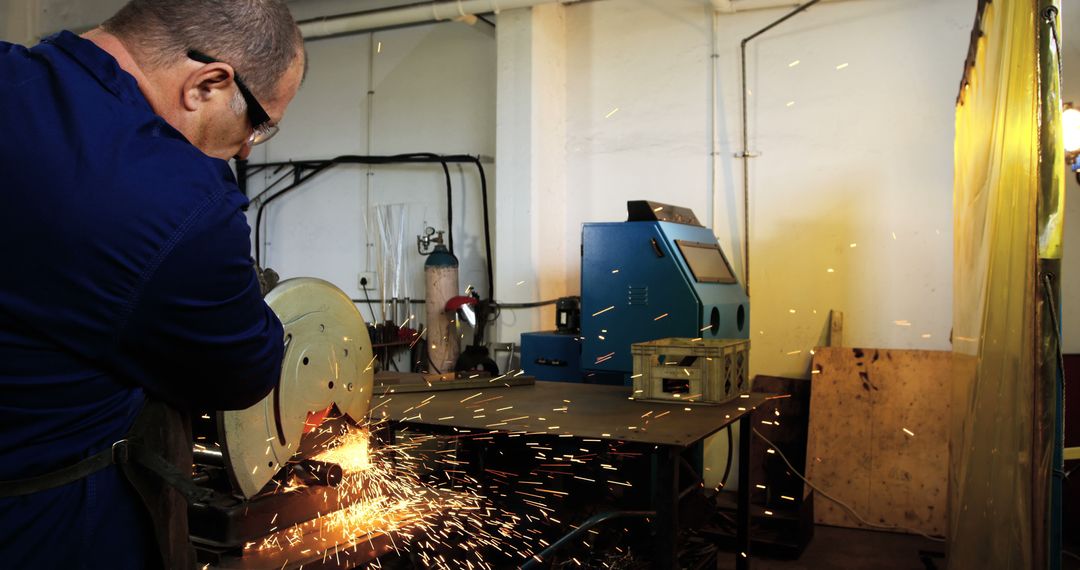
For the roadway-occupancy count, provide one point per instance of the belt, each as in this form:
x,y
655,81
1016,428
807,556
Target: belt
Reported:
x,y
119,453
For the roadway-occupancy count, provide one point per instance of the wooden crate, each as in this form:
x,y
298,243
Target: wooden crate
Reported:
x,y
879,436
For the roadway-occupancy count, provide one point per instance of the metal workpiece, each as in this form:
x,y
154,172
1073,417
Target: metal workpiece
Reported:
x,y
318,473
207,456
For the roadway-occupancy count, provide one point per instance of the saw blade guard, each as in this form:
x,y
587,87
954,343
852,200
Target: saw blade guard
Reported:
x,y
328,362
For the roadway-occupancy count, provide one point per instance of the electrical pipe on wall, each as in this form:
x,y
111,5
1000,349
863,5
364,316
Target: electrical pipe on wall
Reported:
x,y
733,6
745,154
412,14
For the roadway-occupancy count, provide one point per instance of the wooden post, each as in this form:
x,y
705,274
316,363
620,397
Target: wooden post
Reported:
x,y
836,328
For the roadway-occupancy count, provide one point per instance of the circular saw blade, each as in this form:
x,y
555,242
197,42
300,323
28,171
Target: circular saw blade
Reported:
x,y
327,362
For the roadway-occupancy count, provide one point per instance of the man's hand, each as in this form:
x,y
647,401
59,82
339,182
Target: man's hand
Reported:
x,y
268,279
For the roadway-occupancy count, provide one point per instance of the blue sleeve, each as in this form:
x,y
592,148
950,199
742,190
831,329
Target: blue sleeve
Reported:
x,y
199,334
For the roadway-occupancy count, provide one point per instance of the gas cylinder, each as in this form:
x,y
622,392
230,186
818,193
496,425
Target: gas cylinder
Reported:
x,y
441,279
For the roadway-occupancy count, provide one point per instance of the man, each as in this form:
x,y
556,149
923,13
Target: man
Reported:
x,y
126,271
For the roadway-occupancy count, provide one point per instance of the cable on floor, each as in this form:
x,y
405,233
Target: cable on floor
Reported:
x,y
842,504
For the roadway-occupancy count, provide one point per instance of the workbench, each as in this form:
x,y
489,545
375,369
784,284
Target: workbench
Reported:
x,y
597,412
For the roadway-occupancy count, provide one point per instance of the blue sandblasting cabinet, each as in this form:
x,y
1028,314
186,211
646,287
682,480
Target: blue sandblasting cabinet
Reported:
x,y
660,274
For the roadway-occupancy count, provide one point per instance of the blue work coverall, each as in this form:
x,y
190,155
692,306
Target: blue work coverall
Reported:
x,y
125,273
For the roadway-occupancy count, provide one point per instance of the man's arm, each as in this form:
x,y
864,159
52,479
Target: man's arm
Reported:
x,y
199,334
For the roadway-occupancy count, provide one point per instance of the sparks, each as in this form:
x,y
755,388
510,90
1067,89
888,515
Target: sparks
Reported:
x,y
602,311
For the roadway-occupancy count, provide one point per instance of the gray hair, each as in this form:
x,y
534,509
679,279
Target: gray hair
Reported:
x,y
259,38
237,104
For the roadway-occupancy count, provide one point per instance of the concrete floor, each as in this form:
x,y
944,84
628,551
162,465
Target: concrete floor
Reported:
x,y
840,548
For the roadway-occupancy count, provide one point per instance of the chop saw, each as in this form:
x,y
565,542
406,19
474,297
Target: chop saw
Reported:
x,y
254,457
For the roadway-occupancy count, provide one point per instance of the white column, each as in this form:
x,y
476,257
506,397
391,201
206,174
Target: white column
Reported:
x,y
530,140
18,21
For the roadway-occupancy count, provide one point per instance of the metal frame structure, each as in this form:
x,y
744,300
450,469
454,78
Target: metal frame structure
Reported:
x,y
597,406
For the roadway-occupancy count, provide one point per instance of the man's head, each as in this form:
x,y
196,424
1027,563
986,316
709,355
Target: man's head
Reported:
x,y
213,68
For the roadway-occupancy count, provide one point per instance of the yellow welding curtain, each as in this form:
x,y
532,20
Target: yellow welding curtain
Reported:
x,y
1008,204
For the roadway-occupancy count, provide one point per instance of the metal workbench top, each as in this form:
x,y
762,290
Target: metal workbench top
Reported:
x,y
588,411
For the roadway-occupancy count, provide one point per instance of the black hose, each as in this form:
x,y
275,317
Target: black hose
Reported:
x,y
370,306
538,559
413,158
411,301
307,169
316,167
529,305
487,230
449,209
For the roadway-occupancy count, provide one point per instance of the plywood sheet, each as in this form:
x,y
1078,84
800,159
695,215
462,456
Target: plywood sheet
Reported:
x,y
879,438
838,445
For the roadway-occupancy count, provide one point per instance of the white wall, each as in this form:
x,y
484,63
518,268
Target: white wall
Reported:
x,y
15,23
860,155
434,91
846,156
27,21
638,109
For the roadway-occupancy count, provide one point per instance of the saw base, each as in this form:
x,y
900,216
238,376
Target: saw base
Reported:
x,y
231,523
312,549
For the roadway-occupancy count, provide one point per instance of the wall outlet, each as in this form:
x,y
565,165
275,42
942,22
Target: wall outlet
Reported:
x,y
366,280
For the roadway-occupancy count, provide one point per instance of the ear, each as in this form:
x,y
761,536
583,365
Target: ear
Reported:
x,y
206,83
